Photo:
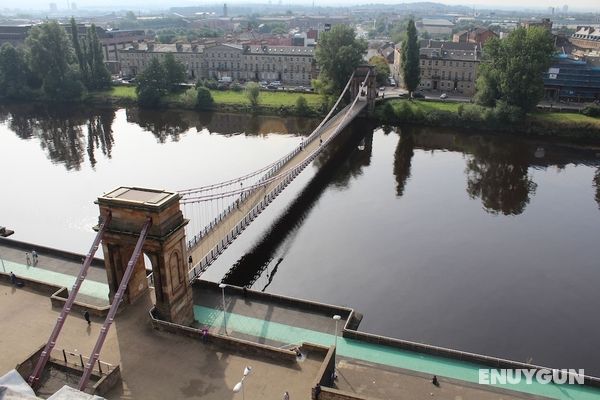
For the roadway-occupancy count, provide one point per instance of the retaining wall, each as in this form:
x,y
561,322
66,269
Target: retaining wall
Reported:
x,y
58,295
305,305
231,343
492,362
67,255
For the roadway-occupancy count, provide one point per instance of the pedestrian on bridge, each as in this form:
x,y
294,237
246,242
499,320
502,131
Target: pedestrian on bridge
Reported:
x,y
190,260
286,396
28,259
34,257
86,315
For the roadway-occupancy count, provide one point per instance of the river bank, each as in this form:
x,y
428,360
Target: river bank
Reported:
x,y
566,125
270,102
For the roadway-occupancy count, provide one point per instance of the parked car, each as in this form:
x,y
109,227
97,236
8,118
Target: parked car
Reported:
x,y
381,89
272,87
443,96
418,95
276,83
263,83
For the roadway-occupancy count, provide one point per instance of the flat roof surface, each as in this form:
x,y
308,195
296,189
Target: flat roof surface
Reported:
x,y
154,365
139,195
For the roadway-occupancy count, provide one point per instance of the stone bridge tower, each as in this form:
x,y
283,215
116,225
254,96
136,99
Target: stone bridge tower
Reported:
x,y
370,91
165,246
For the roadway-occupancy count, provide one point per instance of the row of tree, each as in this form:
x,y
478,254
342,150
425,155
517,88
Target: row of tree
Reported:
x,y
53,66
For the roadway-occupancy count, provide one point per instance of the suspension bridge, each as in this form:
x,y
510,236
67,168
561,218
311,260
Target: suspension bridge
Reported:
x,y
174,229
219,213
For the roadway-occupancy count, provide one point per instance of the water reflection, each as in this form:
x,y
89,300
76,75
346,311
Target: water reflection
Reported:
x,y
170,124
67,134
498,175
100,134
597,186
497,168
337,164
402,160
64,134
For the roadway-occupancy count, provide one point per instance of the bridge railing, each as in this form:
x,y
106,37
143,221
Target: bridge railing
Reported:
x,y
287,177
218,249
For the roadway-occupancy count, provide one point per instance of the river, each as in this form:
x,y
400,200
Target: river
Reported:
x,y
482,243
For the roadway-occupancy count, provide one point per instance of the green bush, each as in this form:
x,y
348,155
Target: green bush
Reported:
x,y
387,113
236,87
507,114
204,100
189,98
211,84
591,111
302,108
439,117
472,113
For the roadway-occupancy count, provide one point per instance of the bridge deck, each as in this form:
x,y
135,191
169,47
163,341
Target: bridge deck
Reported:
x,y
225,227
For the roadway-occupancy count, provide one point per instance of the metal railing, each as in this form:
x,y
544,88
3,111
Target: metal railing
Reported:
x,y
78,360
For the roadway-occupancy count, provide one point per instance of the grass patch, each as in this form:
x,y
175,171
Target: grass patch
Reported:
x,y
116,92
567,118
269,99
272,99
428,105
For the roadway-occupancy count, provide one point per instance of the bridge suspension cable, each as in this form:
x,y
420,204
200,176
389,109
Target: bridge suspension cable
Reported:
x,y
204,218
283,159
266,181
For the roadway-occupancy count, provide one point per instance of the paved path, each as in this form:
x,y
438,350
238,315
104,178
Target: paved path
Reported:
x,y
388,356
154,365
57,271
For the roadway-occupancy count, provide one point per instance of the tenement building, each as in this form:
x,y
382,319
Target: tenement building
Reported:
x,y
292,65
448,66
136,58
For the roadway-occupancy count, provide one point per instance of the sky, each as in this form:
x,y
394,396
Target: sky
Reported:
x,y
574,5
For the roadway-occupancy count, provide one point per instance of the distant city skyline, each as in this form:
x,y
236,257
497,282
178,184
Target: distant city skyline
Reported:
x,y
573,5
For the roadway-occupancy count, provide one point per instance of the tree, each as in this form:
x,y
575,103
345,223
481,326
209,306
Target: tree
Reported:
x,y
410,59
512,68
302,106
338,54
13,73
51,58
98,76
83,67
253,93
174,71
204,99
151,84
382,69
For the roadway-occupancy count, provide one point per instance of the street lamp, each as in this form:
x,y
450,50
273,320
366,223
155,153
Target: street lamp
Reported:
x,y
336,318
223,286
240,385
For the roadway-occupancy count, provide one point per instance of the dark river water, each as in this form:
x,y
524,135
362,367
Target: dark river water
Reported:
x,y
475,242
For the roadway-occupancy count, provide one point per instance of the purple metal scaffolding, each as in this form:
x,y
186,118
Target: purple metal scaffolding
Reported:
x,y
87,371
34,378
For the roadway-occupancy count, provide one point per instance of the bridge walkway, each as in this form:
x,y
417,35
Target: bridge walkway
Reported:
x,y
218,235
